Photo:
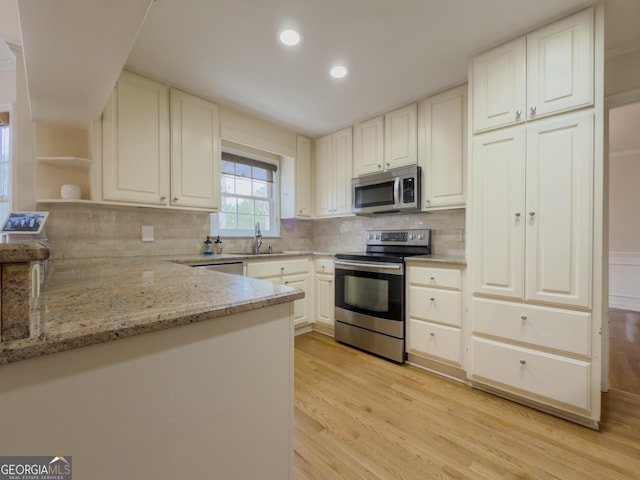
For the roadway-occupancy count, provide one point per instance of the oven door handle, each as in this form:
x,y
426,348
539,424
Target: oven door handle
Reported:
x,y
370,265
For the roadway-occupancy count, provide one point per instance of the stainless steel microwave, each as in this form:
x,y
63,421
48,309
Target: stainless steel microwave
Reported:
x,y
393,191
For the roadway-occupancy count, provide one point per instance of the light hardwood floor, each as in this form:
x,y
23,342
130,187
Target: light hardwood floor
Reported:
x,y
624,354
361,417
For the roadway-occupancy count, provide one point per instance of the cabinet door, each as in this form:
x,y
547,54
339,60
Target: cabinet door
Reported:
x,y
560,65
368,146
324,299
136,142
559,209
499,86
445,149
498,212
401,137
342,168
195,152
324,177
300,313
302,169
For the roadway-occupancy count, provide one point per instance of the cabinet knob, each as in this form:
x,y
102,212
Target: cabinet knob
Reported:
x,y
300,211
532,214
388,164
432,279
175,199
282,269
523,362
533,110
163,197
287,282
523,317
379,166
427,202
518,114
432,299
433,334
518,214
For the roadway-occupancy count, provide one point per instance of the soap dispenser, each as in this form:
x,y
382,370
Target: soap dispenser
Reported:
x,y
208,247
217,245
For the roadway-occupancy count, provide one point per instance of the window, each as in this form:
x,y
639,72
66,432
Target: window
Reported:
x,y
5,176
249,195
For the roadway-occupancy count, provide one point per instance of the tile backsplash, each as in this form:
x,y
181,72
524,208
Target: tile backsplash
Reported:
x,y
103,231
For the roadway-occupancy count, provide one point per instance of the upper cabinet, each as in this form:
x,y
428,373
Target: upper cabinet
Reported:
x,y
442,128
401,137
333,172
295,182
549,71
136,142
195,152
368,146
139,167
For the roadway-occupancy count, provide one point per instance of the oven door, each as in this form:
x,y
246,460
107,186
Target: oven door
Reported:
x,y
370,295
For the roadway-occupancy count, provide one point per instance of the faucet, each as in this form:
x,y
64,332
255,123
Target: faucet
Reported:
x,y
257,239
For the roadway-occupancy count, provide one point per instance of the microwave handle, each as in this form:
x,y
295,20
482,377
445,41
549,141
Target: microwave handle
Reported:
x,y
397,201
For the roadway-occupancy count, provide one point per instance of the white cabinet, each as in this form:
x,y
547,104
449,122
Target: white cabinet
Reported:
x,y
401,137
291,272
295,182
535,220
368,146
195,152
549,71
160,148
552,161
333,167
434,315
442,128
324,298
136,142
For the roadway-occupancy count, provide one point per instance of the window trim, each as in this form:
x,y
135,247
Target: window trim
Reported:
x,y
274,232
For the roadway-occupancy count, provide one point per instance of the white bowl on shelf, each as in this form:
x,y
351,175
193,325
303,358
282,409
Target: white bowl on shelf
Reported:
x,y
70,192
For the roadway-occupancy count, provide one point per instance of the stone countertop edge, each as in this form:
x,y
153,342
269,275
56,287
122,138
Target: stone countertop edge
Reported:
x,y
449,259
22,252
87,303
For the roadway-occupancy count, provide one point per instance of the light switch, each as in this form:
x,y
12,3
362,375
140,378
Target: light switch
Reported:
x,y
147,233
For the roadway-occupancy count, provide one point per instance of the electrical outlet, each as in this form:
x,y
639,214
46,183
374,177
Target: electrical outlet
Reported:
x,y
147,233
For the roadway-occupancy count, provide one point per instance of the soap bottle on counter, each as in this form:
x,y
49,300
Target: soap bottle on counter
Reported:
x,y
207,248
217,245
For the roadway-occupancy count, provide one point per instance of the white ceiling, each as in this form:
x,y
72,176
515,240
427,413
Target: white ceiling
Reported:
x,y
397,51
226,50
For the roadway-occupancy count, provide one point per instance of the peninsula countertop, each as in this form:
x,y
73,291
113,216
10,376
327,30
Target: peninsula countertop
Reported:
x,y
92,301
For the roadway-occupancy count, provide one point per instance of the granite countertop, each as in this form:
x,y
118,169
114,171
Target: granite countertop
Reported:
x,y
93,301
200,259
450,259
27,251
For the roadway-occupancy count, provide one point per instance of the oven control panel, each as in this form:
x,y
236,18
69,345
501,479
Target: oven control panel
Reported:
x,y
413,237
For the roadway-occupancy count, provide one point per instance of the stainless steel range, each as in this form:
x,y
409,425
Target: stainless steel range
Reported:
x,y
370,291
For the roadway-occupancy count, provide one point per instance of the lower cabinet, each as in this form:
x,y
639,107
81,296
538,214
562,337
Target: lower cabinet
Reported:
x,y
533,352
291,272
434,317
324,298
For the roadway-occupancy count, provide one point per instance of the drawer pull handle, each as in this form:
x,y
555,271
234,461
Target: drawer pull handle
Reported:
x,y
523,362
523,317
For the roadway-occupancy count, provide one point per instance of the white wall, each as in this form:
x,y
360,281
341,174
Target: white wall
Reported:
x,y
7,85
624,199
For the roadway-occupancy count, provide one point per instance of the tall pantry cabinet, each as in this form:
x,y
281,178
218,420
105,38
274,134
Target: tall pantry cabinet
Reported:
x,y
535,218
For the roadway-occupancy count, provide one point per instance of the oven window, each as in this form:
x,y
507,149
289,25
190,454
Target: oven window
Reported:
x,y
374,195
367,293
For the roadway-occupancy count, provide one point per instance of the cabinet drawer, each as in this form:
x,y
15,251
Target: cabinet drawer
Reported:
x,y
434,304
324,265
541,374
435,277
542,326
282,267
430,339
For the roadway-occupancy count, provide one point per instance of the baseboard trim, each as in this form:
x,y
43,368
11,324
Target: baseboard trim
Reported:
x,y
624,280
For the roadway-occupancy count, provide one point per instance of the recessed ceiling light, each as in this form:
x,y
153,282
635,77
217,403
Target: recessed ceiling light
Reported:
x,y
339,71
290,37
